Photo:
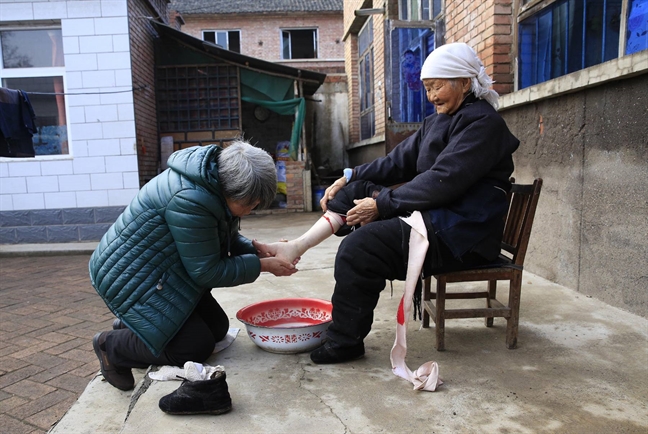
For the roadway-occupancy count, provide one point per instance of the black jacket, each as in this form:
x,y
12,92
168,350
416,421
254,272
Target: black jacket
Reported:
x,y
457,167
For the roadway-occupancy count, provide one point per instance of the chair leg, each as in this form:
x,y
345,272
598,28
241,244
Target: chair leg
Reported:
x,y
440,313
426,297
514,303
492,295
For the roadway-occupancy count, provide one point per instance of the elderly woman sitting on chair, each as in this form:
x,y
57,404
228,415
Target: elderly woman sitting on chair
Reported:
x,y
454,171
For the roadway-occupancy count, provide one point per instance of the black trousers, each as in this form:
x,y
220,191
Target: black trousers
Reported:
x,y
369,256
194,342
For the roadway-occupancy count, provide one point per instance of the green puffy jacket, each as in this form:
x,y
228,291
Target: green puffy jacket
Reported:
x,y
175,241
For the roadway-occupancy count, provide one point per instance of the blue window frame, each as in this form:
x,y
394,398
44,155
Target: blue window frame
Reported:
x,y
567,36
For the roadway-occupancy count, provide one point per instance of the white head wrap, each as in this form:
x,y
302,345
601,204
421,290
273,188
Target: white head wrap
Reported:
x,y
458,60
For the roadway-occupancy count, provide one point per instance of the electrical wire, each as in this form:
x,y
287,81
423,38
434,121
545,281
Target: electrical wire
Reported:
x,y
87,93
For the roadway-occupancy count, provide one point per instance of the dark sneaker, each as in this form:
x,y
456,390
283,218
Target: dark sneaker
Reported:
x,y
118,324
328,353
199,397
121,378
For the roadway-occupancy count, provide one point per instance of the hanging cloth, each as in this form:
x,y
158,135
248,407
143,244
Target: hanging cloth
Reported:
x,y
17,124
296,107
426,377
276,94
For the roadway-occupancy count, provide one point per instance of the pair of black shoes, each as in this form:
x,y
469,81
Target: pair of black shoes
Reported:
x,y
199,397
331,353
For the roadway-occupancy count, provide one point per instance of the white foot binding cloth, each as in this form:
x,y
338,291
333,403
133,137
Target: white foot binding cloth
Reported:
x,y
194,371
426,377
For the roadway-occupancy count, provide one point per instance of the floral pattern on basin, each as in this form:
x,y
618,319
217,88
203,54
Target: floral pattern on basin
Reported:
x,y
290,313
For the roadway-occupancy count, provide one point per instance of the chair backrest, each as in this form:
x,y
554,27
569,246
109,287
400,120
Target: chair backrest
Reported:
x,y
523,200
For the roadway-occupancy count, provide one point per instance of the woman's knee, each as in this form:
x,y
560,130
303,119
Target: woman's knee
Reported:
x,y
198,349
351,246
221,329
374,250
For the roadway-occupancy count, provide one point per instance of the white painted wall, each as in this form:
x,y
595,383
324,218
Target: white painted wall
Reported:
x,y
101,169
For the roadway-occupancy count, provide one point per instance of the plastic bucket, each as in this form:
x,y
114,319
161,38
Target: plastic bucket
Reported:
x,y
318,194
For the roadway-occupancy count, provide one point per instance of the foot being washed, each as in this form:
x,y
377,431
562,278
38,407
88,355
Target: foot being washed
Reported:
x,y
288,251
291,251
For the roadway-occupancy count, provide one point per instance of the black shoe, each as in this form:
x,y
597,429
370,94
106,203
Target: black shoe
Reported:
x,y
328,353
121,378
199,397
118,324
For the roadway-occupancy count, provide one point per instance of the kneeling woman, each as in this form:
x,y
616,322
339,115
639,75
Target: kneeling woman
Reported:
x,y
178,239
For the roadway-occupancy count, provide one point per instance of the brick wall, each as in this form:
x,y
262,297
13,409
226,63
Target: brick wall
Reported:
x,y
143,72
380,103
295,185
261,35
351,67
487,26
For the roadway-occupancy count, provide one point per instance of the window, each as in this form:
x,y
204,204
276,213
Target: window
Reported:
x,y
193,98
637,28
228,39
299,44
409,49
32,61
365,82
412,38
558,38
415,10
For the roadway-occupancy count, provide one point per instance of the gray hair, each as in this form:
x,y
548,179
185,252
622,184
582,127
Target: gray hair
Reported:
x,y
247,174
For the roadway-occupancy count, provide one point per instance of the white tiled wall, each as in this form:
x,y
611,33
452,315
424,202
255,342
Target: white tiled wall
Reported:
x,y
101,169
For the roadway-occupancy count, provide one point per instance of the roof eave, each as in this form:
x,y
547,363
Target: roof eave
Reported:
x,y
312,80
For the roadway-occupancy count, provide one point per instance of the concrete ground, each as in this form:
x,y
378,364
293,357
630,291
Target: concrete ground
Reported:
x,y
580,366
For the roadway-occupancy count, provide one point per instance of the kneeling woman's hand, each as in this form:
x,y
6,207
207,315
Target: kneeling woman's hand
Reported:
x,y
277,266
283,250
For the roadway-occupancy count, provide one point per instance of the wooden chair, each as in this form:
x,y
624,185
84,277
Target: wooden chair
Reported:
x,y
523,201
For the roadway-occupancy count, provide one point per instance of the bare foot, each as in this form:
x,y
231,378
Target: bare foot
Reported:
x,y
288,251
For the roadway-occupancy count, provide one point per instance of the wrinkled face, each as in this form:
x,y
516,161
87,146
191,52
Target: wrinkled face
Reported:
x,y
446,94
240,208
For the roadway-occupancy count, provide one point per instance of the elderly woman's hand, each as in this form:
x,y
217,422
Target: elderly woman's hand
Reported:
x,y
364,212
277,266
330,192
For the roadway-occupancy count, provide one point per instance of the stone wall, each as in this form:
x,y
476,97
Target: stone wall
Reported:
x,y
68,225
591,227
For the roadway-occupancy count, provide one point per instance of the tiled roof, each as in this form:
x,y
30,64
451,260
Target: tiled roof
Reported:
x,y
189,7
